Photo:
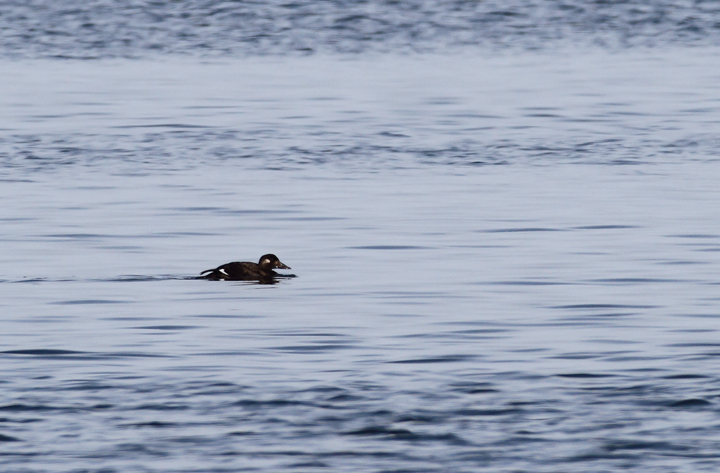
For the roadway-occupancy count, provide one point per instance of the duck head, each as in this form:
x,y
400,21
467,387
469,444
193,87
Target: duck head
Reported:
x,y
271,261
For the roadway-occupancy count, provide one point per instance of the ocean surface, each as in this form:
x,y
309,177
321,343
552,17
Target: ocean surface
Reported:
x,y
503,219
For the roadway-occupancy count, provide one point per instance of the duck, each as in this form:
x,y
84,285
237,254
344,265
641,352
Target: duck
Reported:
x,y
246,271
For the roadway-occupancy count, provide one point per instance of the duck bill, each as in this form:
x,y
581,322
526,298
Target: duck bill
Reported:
x,y
283,266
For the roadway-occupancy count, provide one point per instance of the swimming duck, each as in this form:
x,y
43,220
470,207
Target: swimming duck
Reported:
x,y
245,271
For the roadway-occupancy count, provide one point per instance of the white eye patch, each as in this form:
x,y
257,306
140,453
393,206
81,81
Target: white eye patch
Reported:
x,y
224,272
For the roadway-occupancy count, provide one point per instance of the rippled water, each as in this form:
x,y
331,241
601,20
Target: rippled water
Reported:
x,y
126,28
505,261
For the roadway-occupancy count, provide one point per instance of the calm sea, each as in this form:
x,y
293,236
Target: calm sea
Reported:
x,y
503,219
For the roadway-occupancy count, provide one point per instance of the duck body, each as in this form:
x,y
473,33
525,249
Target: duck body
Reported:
x,y
246,271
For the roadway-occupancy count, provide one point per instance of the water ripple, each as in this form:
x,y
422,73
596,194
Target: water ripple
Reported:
x,y
211,27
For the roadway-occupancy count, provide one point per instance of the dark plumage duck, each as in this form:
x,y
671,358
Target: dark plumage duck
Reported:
x,y
246,271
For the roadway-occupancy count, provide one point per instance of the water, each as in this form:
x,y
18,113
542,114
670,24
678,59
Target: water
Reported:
x,y
123,28
505,237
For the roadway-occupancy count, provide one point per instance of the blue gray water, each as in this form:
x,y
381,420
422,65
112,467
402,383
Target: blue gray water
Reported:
x,y
504,221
